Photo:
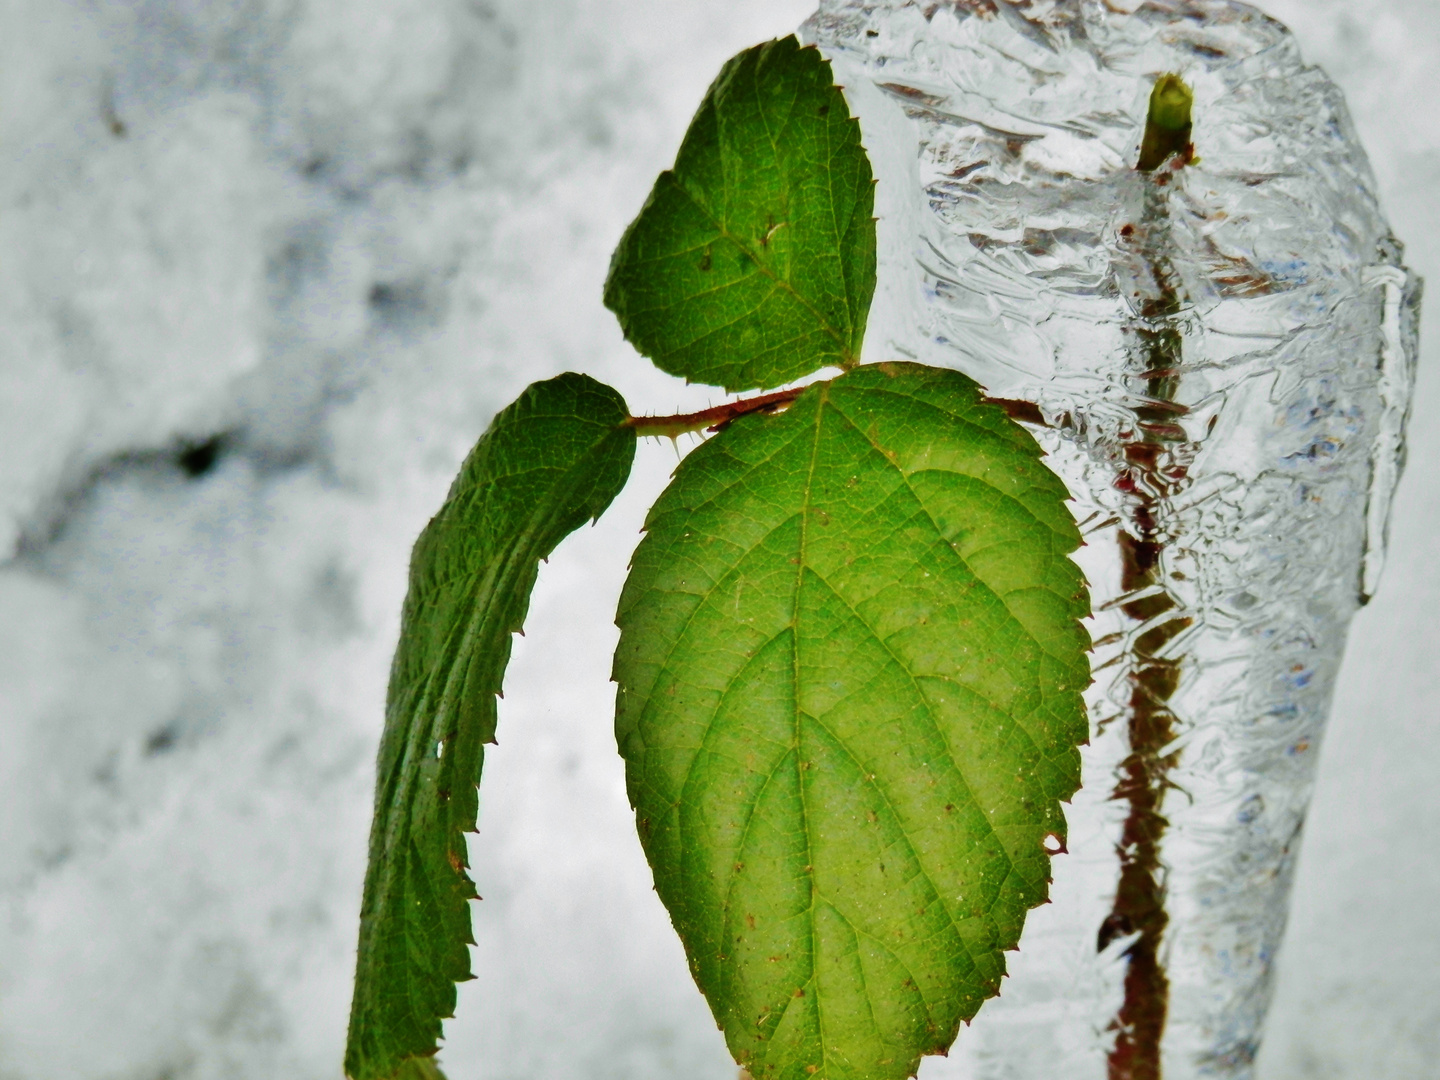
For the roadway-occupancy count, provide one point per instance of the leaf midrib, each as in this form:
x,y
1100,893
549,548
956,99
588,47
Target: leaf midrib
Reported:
x,y
822,398
822,403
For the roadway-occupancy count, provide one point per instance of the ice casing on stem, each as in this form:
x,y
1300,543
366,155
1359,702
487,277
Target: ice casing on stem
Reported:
x,y
1139,910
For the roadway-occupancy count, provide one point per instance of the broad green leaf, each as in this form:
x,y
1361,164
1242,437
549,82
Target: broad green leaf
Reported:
x,y
551,461
753,261
850,669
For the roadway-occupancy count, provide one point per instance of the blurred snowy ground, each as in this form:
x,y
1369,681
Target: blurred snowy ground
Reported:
x,y
267,267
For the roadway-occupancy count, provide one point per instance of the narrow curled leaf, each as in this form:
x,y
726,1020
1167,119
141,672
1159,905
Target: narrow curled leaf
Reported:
x,y
752,262
850,670
551,461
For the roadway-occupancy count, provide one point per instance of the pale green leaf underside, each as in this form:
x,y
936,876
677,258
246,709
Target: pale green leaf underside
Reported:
x,y
752,262
550,462
850,670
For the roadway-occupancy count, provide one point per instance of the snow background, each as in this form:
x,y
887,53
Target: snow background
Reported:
x,y
338,235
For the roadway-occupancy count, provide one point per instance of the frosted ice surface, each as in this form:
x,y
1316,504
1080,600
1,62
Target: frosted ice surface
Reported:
x,y
1222,353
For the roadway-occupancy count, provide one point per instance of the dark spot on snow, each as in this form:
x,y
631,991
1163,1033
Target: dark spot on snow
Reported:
x,y
161,740
401,305
108,115
196,459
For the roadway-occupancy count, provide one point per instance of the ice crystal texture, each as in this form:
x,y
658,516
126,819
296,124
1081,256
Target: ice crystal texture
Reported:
x,y
1222,355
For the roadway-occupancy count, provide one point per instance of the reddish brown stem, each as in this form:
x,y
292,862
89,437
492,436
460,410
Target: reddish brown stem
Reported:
x,y
716,418
1139,906
712,419
1154,677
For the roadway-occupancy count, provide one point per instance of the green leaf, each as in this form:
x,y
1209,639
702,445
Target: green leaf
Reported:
x,y
752,262
551,461
419,1069
850,669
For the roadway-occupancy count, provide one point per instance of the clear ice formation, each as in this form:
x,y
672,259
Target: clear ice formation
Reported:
x,y
1222,355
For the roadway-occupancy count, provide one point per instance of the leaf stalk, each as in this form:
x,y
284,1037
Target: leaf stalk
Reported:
x,y
672,427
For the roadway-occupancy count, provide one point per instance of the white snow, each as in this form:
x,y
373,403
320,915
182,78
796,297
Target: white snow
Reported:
x,y
342,233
